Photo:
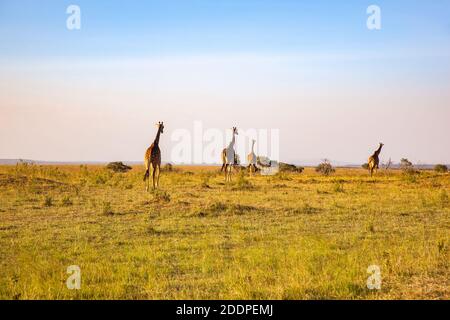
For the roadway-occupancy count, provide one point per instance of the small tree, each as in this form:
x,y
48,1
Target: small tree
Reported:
x,y
387,165
325,168
441,168
405,163
407,167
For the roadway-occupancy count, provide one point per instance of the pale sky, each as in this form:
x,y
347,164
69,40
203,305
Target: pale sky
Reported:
x,y
333,88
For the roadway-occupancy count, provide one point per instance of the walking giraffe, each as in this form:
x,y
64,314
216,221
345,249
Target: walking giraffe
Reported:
x,y
374,160
153,159
251,159
229,156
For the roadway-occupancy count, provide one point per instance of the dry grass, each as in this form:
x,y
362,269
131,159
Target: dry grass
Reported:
x,y
290,236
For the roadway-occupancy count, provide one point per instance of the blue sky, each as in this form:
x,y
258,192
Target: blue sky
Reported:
x,y
313,66
143,28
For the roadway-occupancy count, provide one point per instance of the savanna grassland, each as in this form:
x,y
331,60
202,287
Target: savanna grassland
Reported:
x,y
288,236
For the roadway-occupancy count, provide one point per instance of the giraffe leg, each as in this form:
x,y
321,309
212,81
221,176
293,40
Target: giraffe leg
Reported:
x,y
157,180
146,178
154,177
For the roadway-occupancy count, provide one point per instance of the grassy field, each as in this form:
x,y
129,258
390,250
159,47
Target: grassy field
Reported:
x,y
288,236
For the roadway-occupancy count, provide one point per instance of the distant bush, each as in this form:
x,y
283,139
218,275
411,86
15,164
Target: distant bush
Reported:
x,y
286,167
365,166
325,168
167,167
263,161
404,163
441,168
118,167
407,167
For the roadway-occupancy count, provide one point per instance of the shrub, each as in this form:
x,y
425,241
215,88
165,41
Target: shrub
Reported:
x,y
441,168
107,209
338,187
325,168
286,167
443,197
128,186
263,161
161,196
48,201
281,175
242,182
405,163
205,180
118,167
217,207
66,201
168,167
365,166
407,167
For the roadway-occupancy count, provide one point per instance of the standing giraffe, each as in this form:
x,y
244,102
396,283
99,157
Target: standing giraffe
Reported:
x,y
229,156
374,160
251,159
153,158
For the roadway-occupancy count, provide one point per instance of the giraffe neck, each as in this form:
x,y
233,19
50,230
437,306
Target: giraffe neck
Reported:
x,y
253,146
157,136
378,150
232,141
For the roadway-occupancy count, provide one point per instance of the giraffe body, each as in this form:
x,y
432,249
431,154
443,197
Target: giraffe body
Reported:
x,y
229,157
374,160
152,160
251,159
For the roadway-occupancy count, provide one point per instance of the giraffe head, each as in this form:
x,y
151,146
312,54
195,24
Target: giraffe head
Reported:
x,y
235,131
160,126
381,144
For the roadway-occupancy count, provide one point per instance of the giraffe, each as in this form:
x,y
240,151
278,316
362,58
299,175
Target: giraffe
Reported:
x,y
229,156
251,159
153,159
374,160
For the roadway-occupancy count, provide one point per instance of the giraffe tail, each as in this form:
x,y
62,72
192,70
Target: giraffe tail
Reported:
x,y
147,174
